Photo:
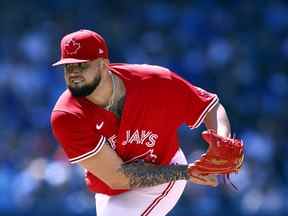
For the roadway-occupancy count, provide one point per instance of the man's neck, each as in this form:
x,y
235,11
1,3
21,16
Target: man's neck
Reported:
x,y
102,94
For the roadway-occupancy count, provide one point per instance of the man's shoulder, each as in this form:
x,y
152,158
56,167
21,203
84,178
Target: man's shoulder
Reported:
x,y
141,70
139,67
155,80
69,104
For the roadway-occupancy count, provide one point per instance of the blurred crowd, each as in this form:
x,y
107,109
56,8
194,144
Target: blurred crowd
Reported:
x,y
237,49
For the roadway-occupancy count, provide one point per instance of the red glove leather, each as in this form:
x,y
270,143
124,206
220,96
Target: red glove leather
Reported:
x,y
224,156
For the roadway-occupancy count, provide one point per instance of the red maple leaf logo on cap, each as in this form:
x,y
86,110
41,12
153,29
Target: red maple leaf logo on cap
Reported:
x,y
71,47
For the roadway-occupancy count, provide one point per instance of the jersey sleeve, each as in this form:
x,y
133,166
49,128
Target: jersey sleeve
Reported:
x,y
197,102
74,134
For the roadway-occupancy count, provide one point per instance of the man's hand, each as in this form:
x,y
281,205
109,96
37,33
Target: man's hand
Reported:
x,y
224,156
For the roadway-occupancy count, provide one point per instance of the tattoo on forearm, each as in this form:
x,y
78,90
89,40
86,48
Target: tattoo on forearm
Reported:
x,y
142,174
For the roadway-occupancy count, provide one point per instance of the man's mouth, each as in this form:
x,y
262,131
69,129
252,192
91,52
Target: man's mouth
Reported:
x,y
76,80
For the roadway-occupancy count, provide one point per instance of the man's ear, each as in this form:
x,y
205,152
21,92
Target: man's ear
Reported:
x,y
103,64
100,64
106,62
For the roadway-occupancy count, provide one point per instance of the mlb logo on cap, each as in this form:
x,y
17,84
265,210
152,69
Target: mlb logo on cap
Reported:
x,y
82,46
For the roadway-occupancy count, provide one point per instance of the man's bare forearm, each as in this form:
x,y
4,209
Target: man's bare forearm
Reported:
x,y
142,174
218,120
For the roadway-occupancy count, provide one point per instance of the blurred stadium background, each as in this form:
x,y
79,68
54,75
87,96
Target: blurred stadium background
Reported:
x,y
237,48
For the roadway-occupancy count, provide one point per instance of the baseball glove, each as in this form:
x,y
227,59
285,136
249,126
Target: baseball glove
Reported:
x,y
223,157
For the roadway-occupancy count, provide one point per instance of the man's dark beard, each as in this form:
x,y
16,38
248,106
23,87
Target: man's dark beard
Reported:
x,y
86,89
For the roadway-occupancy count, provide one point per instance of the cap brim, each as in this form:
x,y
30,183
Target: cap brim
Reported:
x,y
69,61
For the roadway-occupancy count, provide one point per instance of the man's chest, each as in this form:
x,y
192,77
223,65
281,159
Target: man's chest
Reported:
x,y
145,127
141,134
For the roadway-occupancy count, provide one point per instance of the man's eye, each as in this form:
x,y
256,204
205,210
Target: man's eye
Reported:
x,y
82,66
67,66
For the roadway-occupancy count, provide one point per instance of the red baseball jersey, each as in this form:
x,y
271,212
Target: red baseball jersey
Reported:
x,y
157,102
